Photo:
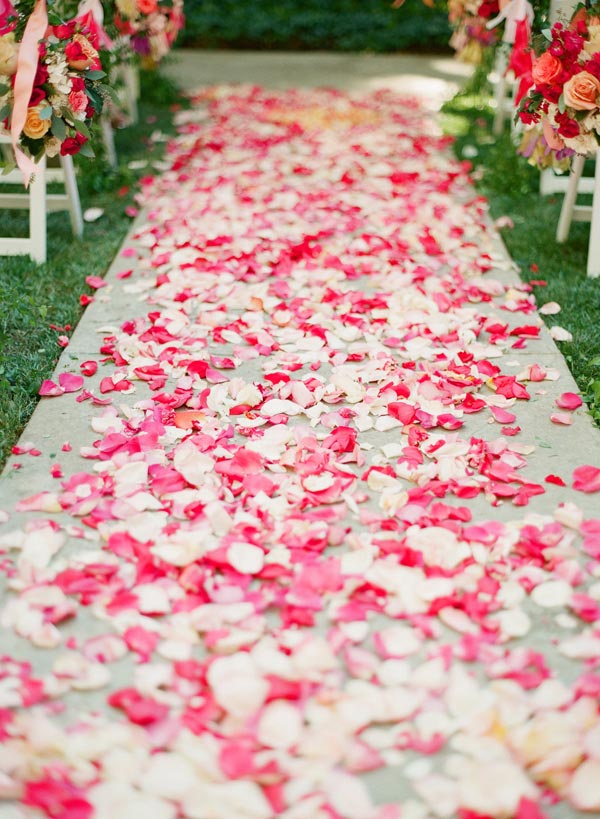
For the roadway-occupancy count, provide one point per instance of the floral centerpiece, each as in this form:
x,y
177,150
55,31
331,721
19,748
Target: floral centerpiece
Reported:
x,y
60,97
152,26
564,98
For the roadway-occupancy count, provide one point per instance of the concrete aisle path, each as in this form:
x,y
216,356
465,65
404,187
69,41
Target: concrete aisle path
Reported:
x,y
327,534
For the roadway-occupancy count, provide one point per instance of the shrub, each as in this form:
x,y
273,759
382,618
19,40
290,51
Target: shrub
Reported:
x,y
339,25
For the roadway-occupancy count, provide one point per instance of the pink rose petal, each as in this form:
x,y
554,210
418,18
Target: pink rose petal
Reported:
x,y
569,401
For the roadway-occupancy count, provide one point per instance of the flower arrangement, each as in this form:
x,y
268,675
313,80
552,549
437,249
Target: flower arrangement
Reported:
x,y
471,36
564,98
152,26
67,91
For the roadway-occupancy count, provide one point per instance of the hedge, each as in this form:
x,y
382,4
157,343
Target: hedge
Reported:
x,y
339,25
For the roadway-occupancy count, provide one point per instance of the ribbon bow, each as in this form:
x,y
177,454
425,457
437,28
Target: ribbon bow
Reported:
x,y
91,14
513,12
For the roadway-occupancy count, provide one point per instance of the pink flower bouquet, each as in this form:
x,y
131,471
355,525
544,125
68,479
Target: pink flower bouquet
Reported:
x,y
565,96
68,90
470,35
152,26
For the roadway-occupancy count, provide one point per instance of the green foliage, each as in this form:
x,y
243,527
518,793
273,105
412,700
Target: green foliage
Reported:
x,y
33,297
339,25
512,187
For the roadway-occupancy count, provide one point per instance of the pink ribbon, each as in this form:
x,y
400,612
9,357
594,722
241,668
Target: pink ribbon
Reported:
x,y
91,13
27,65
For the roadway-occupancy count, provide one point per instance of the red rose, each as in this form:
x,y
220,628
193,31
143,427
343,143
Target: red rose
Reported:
x,y
489,8
80,53
593,65
567,127
77,84
72,145
37,95
65,31
41,75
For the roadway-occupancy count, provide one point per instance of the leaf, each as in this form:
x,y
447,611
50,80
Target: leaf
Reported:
x,y
58,128
86,150
81,128
562,105
547,32
94,74
5,111
4,89
95,98
46,112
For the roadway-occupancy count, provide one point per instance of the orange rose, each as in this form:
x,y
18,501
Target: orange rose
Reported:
x,y
581,92
36,128
546,69
147,6
80,53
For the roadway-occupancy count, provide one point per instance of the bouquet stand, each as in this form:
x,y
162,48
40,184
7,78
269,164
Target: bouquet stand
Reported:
x,y
583,213
504,104
39,203
551,183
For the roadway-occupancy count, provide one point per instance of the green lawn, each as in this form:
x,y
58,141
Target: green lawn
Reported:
x,y
36,298
512,188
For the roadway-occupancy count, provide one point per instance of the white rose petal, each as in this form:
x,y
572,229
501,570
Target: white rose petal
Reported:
x,y
168,775
246,558
280,725
348,796
552,593
280,406
560,334
584,788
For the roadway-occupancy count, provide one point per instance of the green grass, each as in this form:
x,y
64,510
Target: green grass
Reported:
x,y
33,297
512,188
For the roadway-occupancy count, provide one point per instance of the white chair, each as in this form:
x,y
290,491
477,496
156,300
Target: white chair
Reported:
x,y
39,202
574,184
582,213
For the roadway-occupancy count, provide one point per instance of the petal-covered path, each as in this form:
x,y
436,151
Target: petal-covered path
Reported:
x,y
316,559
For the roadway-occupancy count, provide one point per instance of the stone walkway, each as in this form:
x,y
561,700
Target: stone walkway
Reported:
x,y
374,594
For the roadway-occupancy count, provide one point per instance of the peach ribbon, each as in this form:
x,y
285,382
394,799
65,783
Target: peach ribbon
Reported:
x,y
27,65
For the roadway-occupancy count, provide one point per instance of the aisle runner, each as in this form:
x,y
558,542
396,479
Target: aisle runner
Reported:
x,y
271,596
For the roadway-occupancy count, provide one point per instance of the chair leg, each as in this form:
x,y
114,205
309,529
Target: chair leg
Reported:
x,y
132,89
566,212
72,192
593,262
500,67
37,214
108,138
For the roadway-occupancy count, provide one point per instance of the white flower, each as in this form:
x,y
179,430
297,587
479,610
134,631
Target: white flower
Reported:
x,y
58,76
585,143
52,146
58,102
